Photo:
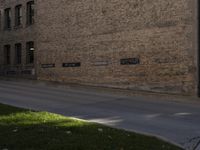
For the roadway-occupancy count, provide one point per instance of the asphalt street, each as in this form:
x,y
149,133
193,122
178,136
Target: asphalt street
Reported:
x,y
174,120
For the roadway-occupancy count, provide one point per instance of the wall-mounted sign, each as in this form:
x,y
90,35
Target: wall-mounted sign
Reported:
x,y
48,65
130,61
101,63
76,64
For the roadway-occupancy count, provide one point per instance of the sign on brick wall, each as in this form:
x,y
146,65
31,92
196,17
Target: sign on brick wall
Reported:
x,y
130,61
75,64
101,63
48,65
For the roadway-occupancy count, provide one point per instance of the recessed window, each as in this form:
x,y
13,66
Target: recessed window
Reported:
x,y
18,53
30,52
7,54
30,13
18,15
7,18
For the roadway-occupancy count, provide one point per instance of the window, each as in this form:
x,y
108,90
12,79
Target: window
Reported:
x,y
30,52
30,12
18,53
7,54
7,17
18,15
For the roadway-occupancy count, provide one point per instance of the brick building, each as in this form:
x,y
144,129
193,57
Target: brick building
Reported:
x,y
133,44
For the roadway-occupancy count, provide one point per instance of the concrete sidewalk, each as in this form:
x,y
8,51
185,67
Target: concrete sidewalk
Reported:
x,y
173,118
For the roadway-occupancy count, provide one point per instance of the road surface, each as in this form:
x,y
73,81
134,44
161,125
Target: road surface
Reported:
x,y
175,121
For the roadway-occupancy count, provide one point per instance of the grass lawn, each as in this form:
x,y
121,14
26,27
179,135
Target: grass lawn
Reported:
x,y
21,129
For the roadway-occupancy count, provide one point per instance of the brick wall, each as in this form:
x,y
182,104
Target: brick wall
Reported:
x,y
100,33
97,34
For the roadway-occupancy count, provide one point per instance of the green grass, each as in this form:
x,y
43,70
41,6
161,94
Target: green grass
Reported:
x,y
22,129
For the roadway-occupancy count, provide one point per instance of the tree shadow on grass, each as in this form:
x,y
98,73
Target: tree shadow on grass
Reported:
x,y
73,135
7,110
21,129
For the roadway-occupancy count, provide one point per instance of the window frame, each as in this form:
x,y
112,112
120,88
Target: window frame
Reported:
x,y
7,19
7,54
29,52
18,53
30,13
18,15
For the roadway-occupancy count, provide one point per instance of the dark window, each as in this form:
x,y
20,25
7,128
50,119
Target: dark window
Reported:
x,y
7,17
30,12
18,15
30,52
7,54
18,53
